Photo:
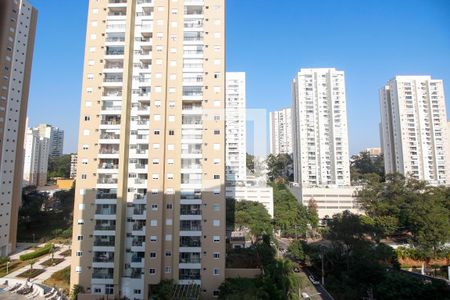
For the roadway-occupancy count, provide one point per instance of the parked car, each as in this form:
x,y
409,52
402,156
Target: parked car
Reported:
x,y
313,280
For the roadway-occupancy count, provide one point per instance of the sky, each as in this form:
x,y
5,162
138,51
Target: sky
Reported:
x,y
270,40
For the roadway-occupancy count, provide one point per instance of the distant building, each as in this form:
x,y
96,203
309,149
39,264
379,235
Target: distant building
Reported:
x,y
73,165
319,126
251,191
235,126
55,137
281,131
373,152
414,128
17,31
35,159
329,201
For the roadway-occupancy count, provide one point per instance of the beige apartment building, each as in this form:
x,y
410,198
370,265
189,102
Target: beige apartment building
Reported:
x,y
150,195
17,31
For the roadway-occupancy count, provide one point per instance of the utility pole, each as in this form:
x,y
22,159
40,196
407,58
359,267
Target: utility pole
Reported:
x,y
321,256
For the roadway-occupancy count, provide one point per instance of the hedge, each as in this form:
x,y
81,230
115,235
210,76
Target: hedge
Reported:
x,y
39,252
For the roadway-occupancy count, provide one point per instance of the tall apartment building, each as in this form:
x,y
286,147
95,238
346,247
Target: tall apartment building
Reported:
x,y
36,158
73,165
55,136
150,195
235,126
319,128
17,31
414,128
281,131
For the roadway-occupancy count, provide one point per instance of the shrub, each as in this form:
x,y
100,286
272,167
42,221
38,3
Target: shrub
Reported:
x,y
39,252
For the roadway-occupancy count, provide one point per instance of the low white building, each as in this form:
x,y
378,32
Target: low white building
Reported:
x,y
251,191
329,200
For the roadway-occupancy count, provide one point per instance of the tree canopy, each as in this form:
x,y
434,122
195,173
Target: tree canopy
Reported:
x,y
363,164
59,166
279,166
254,216
409,207
291,217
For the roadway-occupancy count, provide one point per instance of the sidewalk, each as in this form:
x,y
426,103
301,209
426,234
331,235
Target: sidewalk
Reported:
x,y
37,265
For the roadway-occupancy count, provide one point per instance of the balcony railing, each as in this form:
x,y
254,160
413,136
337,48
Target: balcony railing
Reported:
x,y
107,181
106,196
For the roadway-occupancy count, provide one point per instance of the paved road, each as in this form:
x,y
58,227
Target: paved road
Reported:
x,y
319,288
314,291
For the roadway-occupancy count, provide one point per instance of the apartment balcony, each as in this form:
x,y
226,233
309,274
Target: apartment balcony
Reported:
x,y
114,39
102,274
104,241
111,67
137,273
118,4
190,241
193,11
108,137
117,13
113,109
138,245
105,227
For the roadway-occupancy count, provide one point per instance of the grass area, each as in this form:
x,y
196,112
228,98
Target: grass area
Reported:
x,y
60,279
37,252
13,266
52,262
31,273
66,253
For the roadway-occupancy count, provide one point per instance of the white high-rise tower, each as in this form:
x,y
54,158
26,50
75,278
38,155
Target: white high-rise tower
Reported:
x,y
320,128
414,128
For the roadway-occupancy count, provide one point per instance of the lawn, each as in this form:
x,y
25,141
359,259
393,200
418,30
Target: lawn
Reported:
x,y
52,262
60,279
66,253
31,273
13,266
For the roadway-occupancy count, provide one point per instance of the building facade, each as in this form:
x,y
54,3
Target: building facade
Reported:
x,y
55,136
414,128
73,165
319,128
235,126
17,32
150,185
36,159
281,131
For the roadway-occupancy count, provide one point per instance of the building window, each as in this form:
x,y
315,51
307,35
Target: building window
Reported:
x,y
168,253
216,176
171,132
152,271
169,206
137,292
216,239
152,254
216,272
216,255
168,269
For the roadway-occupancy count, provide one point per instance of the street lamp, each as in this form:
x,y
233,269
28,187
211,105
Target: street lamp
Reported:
x,y
321,256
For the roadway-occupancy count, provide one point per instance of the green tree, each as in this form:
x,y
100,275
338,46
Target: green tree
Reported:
x,y
59,166
278,166
295,249
290,216
250,162
76,290
254,216
363,164
163,290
